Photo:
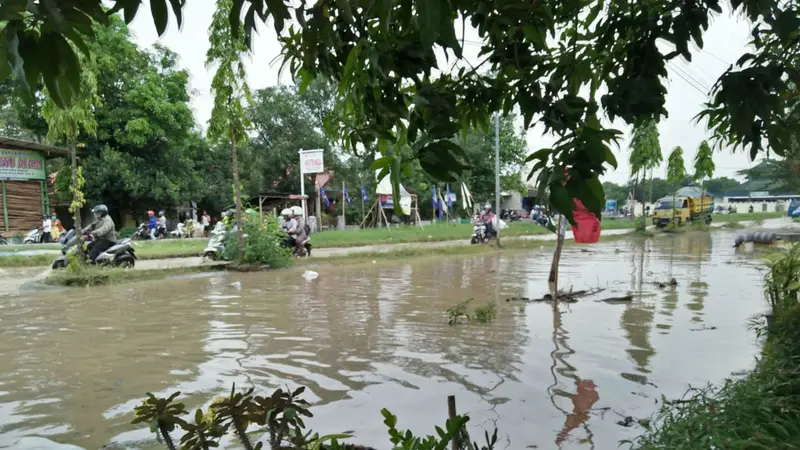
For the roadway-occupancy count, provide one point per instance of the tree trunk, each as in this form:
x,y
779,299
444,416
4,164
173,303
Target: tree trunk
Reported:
x,y
76,214
237,197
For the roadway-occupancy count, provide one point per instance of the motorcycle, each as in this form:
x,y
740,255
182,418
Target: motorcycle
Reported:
x,y
142,232
3,240
216,245
290,243
121,254
479,234
34,236
178,233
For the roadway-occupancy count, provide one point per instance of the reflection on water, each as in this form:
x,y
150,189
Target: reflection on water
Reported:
x,y
74,363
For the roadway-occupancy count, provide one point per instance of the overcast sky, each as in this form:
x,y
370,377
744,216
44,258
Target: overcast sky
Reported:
x,y
725,41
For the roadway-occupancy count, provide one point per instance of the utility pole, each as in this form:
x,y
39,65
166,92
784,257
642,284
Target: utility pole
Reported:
x,y
497,171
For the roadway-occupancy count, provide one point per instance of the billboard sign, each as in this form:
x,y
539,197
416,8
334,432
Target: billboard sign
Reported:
x,y
21,165
311,161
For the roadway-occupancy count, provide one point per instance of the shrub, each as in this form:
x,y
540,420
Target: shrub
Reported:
x,y
263,244
126,232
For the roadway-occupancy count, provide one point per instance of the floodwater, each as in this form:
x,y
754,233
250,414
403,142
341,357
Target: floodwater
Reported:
x,y
74,363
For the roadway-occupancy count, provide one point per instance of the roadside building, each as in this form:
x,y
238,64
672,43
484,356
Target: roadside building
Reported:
x,y
23,183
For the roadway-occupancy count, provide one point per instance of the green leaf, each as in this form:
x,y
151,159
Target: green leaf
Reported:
x,y
382,162
158,8
429,15
280,13
562,201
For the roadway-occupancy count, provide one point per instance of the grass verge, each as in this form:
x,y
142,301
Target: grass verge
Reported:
x,y
183,248
101,276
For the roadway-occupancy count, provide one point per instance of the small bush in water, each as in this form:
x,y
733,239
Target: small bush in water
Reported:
x,y
281,415
460,313
263,243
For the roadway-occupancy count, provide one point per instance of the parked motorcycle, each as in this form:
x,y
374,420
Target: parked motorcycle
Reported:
x,y
121,254
179,232
216,245
142,232
3,240
35,236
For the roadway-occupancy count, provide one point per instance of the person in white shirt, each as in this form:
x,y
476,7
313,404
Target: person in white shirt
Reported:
x,y
47,228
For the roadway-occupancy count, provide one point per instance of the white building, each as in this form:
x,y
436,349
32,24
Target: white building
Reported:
x,y
761,201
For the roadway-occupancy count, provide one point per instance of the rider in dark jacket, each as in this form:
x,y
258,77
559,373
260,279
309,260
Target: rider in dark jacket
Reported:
x,y
103,232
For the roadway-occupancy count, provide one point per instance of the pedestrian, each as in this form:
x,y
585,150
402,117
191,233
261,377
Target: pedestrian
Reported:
x,y
205,221
151,223
161,226
47,228
57,227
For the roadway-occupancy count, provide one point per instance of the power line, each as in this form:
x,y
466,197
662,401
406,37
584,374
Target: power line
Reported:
x,y
676,72
717,58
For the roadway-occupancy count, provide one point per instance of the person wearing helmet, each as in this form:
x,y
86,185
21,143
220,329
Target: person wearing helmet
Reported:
x,y
102,231
289,225
487,217
301,233
152,223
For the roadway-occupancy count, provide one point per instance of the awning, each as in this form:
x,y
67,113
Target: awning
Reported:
x,y
18,144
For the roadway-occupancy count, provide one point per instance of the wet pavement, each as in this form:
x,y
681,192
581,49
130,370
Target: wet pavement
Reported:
x,y
74,362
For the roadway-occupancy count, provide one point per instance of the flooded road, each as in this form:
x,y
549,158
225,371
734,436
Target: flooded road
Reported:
x,y
74,363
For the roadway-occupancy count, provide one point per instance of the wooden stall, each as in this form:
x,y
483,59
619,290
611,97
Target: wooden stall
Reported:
x,y
23,183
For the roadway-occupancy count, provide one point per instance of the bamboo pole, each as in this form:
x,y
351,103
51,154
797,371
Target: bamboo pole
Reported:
x,y
553,278
451,413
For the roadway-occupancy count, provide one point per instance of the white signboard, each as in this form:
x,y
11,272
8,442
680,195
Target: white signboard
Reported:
x,y
311,161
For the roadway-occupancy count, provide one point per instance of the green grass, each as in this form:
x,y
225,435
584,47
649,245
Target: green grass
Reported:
x,y
744,217
99,276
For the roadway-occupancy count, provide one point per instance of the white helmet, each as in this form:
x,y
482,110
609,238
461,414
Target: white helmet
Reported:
x,y
286,212
297,210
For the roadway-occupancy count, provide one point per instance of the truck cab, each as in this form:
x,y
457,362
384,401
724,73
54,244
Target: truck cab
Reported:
x,y
683,209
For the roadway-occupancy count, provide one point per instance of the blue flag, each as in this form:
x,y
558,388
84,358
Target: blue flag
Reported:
x,y
346,196
433,199
449,199
364,195
324,197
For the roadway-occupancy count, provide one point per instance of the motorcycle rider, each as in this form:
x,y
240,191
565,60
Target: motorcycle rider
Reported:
x,y
102,231
300,237
289,225
487,216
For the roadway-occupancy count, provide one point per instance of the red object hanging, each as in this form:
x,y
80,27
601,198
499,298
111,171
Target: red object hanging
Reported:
x,y
587,226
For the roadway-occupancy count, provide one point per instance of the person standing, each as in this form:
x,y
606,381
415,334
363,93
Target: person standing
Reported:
x,y
205,221
47,228
57,228
161,229
151,223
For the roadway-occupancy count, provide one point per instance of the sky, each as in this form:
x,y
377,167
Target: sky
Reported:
x,y
725,41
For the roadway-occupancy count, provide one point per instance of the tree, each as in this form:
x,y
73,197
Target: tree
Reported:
x,y
676,172
776,175
390,87
645,153
617,192
66,124
721,185
703,164
228,117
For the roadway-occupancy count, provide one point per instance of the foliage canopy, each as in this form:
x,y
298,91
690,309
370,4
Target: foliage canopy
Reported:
x,y
562,64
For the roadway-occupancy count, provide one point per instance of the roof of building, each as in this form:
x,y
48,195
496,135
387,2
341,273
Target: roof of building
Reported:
x,y
19,144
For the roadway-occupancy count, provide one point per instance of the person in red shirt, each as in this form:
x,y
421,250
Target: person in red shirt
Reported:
x,y
487,216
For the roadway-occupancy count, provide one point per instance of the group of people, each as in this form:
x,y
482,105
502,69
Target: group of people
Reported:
x,y
296,230
51,228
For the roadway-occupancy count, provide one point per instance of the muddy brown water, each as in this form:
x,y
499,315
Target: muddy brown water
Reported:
x,y
74,363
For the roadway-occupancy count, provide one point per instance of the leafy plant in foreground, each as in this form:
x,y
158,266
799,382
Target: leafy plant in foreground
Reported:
x,y
282,414
162,415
